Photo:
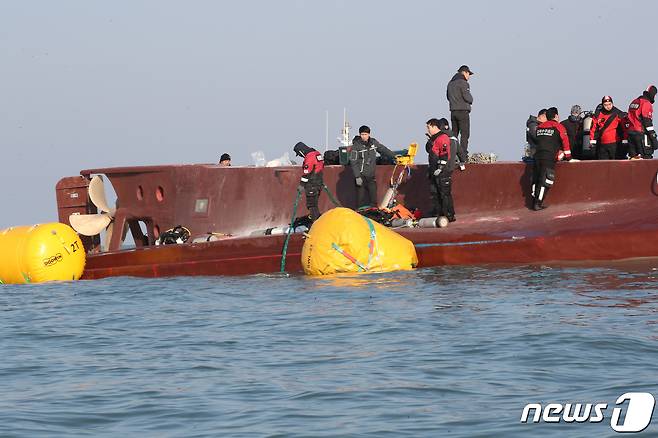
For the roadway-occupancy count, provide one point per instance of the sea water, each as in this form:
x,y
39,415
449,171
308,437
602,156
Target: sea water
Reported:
x,y
449,351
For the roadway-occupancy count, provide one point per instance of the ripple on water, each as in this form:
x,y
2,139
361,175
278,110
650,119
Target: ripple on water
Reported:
x,y
452,351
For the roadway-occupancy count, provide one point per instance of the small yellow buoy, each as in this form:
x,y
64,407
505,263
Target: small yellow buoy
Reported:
x,y
39,253
342,240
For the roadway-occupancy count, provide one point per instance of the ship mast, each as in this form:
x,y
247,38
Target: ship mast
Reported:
x,y
326,131
344,138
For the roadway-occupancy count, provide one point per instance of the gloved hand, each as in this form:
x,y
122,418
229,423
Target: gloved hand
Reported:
x,y
300,188
437,172
359,181
653,140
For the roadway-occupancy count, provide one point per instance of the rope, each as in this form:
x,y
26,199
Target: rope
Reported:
x,y
348,256
372,243
284,252
331,196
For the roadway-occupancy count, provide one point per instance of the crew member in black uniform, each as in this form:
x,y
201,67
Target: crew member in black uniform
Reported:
x,y
311,179
552,146
441,150
531,131
574,126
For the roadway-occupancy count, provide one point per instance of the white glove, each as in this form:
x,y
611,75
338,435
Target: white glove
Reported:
x,y
437,172
359,181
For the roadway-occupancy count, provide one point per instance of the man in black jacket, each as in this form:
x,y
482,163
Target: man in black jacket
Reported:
x,y
460,99
574,126
531,131
363,161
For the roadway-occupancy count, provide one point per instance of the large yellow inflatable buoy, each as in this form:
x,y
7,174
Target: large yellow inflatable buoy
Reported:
x,y
342,240
38,253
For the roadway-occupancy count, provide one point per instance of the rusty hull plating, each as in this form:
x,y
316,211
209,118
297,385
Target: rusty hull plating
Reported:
x,y
598,210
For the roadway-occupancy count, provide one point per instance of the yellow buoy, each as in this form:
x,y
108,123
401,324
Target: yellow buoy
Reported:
x,y
342,240
38,253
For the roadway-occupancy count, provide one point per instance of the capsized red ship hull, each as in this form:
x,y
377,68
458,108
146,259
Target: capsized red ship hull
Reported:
x,y
599,210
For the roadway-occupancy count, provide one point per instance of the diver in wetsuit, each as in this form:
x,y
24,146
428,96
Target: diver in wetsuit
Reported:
x,y
311,179
552,146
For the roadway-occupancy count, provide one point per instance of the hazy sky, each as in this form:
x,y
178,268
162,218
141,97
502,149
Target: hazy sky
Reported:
x,y
94,84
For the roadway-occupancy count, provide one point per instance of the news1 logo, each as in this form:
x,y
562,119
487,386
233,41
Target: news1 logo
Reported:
x,y
637,407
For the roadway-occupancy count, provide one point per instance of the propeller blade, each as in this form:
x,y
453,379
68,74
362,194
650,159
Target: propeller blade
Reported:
x,y
97,194
108,237
89,224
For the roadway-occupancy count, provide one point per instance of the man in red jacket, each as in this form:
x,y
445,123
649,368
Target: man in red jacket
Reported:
x,y
552,146
604,132
311,179
640,118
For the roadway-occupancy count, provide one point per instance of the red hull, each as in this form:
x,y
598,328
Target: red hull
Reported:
x,y
599,210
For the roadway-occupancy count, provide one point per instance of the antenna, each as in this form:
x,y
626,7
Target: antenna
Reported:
x,y
326,131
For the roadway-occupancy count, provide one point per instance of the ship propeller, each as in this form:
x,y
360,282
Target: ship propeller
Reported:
x,y
93,224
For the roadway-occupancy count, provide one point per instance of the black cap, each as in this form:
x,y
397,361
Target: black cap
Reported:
x,y
301,150
465,68
363,129
225,157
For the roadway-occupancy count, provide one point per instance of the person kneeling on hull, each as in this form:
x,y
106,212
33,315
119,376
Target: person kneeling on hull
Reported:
x,y
552,146
311,180
441,150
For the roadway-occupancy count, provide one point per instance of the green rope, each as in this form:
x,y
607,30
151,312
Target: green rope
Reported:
x,y
331,196
284,252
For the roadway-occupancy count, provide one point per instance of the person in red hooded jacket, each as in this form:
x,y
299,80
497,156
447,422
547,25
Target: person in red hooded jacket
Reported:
x,y
640,119
311,179
552,146
604,132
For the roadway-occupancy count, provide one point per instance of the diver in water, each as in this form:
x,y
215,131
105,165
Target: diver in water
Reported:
x,y
311,180
552,146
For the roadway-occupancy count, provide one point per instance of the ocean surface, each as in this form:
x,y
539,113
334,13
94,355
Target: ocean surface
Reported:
x,y
449,351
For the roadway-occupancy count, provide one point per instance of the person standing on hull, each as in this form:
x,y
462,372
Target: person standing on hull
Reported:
x,y
363,161
640,120
574,126
441,152
460,99
552,146
531,130
311,180
605,130
622,147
